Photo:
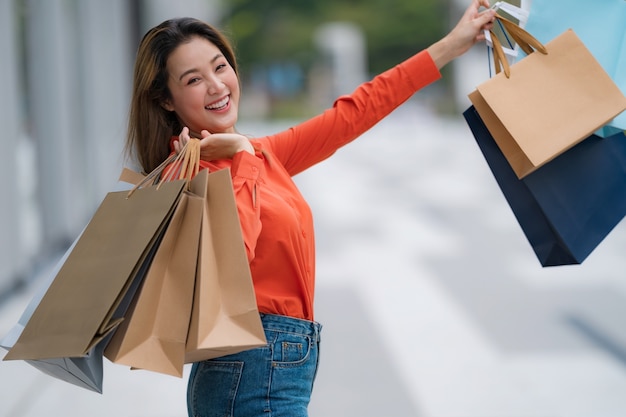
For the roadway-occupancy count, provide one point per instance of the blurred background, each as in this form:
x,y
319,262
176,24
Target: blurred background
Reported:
x,y
66,78
420,260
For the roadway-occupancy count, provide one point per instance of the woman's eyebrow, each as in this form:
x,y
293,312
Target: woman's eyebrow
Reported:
x,y
191,70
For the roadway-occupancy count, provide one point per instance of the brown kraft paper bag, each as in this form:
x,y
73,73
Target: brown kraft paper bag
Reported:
x,y
225,318
548,104
154,331
77,310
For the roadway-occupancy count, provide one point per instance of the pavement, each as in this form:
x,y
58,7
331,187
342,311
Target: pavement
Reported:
x,y
432,300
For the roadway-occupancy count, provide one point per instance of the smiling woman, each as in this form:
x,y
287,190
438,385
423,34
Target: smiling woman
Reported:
x,y
204,89
186,85
157,77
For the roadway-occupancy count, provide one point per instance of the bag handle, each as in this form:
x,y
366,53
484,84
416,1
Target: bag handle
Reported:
x,y
515,12
527,42
185,165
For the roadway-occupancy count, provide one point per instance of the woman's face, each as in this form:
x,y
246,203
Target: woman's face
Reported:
x,y
204,88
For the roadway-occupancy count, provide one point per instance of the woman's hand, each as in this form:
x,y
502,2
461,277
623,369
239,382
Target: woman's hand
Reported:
x,y
468,31
216,146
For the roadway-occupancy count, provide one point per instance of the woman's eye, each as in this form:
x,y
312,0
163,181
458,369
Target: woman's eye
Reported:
x,y
193,80
220,67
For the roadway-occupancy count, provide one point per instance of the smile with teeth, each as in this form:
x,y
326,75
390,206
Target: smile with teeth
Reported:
x,y
219,105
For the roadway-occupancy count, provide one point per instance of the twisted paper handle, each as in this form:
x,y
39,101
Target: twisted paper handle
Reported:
x,y
527,42
184,165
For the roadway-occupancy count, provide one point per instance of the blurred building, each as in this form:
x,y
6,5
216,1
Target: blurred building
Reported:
x,y
65,81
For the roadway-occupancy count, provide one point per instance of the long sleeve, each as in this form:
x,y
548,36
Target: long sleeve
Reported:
x,y
314,140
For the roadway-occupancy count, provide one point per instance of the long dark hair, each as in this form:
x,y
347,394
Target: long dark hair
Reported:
x,y
150,126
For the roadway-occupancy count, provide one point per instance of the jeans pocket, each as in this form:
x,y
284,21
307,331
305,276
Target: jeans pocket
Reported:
x,y
291,349
212,388
293,370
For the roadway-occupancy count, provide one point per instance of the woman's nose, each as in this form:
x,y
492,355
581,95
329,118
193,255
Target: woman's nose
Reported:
x,y
214,85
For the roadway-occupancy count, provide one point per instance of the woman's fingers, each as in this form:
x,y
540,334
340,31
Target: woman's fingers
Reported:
x,y
183,138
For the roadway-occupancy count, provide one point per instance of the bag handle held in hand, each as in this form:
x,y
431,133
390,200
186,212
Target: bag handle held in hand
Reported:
x,y
185,164
527,42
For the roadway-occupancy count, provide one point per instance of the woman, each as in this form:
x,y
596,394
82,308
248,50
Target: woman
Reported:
x,y
186,85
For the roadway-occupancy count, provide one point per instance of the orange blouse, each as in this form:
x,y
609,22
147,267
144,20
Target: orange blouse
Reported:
x,y
276,221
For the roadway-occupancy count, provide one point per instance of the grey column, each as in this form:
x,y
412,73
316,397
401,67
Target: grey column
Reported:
x,y
11,255
105,60
54,83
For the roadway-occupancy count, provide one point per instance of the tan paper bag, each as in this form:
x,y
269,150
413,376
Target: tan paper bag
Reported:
x,y
84,371
78,308
154,331
225,318
548,104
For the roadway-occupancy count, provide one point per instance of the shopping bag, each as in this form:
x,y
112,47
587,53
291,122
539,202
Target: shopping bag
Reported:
x,y
154,332
206,252
549,103
225,318
84,371
601,26
79,308
568,206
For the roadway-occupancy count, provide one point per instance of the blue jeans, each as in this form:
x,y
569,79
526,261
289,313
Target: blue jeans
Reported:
x,y
271,381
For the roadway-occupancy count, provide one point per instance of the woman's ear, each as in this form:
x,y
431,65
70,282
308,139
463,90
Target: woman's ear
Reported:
x,y
167,105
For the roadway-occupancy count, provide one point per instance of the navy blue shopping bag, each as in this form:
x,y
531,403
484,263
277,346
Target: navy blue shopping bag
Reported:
x,y
568,206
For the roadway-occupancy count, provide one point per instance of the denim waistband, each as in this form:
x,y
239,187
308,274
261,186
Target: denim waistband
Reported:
x,y
292,325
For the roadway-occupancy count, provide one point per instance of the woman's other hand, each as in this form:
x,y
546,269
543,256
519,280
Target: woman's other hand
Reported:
x,y
468,31
216,146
